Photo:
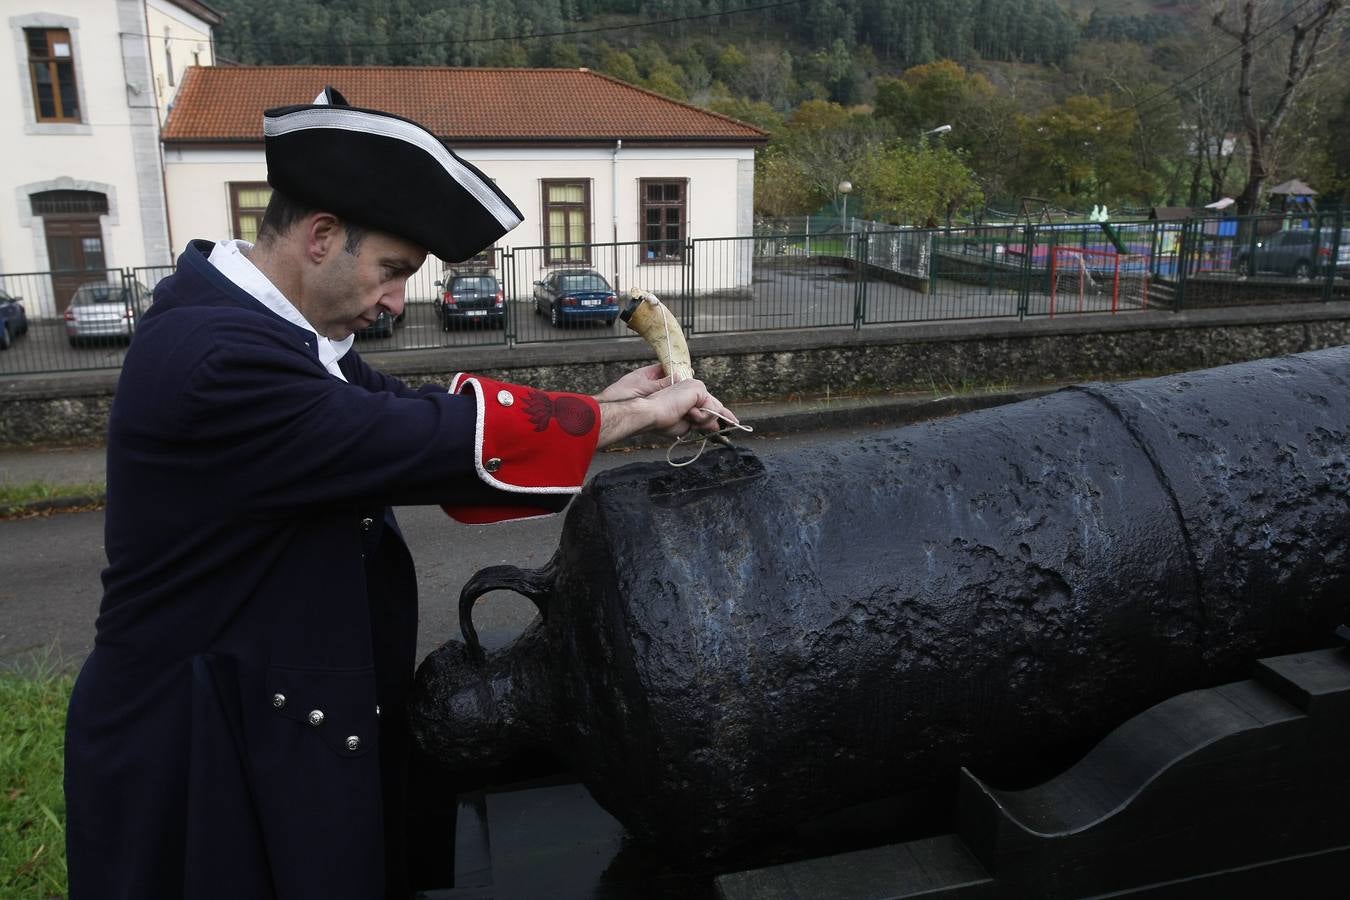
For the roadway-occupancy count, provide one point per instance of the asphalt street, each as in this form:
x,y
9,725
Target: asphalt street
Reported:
x,y
50,591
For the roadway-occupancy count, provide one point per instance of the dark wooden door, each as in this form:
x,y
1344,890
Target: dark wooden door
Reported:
x,y
75,252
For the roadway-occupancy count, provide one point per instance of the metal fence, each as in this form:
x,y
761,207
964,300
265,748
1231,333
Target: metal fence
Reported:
x,y
810,273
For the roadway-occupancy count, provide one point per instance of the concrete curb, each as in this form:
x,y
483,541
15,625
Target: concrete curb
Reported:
x,y
52,505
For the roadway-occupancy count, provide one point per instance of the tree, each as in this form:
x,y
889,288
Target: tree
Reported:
x,y
1081,152
767,75
828,144
984,126
508,55
909,184
730,65
697,80
780,186
1335,150
1264,107
1212,116
929,95
1126,74
621,66
666,80
836,69
757,113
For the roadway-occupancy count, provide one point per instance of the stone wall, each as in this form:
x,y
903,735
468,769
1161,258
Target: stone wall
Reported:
x,y
1203,291
945,357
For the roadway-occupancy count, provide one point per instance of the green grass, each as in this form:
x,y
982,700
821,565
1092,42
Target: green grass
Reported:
x,y
32,804
823,246
945,387
14,496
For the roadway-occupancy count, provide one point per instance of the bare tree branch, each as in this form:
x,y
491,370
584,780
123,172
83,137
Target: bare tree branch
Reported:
x,y
1301,56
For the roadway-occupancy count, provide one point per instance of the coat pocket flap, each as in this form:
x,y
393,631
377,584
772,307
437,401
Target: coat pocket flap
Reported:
x,y
337,705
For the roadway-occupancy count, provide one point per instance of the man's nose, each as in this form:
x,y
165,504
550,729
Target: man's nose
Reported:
x,y
394,301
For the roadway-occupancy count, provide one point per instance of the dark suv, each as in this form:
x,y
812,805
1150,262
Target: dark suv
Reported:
x,y
1298,252
474,297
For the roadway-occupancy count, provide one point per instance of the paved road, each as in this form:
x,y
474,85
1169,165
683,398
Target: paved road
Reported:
x,y
50,590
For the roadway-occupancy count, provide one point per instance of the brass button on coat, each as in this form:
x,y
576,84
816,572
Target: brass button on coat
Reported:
x,y
353,743
504,398
493,464
366,523
316,717
279,700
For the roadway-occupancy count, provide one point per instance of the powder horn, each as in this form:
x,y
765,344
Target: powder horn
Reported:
x,y
653,320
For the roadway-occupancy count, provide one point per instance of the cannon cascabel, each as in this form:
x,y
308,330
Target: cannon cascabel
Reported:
x,y
744,643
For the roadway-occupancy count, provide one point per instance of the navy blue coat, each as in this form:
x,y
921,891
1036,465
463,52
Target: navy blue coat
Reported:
x,y
258,626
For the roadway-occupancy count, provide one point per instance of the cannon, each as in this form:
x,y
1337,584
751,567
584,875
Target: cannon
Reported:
x,y
746,643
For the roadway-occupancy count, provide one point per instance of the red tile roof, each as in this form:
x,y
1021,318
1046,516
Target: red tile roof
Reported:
x,y
497,106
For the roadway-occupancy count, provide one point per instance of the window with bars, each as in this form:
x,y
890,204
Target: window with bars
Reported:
x,y
69,203
248,202
663,214
567,218
51,65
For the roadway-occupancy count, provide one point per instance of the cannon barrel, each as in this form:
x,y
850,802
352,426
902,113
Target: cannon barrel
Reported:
x,y
749,641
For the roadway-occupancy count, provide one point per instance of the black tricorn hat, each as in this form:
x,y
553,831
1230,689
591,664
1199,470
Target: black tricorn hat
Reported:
x,y
385,172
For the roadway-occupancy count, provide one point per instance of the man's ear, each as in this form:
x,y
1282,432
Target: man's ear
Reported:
x,y
323,234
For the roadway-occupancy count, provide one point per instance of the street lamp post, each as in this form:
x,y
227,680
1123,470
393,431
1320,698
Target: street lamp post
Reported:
x,y
923,146
844,188
941,129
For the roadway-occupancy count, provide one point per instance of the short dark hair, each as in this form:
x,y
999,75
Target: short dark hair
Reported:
x,y
283,212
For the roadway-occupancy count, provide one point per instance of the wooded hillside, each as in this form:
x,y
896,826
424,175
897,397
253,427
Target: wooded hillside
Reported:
x,y
899,33
1081,102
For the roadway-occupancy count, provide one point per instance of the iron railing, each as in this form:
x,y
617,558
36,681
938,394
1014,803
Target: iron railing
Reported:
x,y
813,273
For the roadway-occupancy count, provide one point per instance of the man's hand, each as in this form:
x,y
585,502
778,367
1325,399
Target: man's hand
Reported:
x,y
637,383
675,410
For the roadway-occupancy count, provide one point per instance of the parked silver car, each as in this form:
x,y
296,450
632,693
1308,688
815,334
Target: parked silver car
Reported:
x,y
102,311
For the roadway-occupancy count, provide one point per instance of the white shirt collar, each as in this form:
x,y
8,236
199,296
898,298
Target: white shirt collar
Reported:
x,y
228,257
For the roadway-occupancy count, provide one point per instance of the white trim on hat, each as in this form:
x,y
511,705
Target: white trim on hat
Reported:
x,y
356,120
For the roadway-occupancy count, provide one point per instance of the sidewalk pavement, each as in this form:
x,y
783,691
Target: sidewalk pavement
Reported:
x,y
77,467
54,466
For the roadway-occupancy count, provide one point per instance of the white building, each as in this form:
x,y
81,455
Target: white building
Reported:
x,y
588,159
81,174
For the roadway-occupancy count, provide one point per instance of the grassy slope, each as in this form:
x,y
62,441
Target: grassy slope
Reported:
x,y
32,806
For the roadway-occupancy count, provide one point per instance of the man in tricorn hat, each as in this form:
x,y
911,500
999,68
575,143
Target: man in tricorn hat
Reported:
x,y
237,730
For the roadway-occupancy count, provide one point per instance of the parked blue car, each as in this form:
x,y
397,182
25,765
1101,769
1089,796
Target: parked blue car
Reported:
x,y
13,318
575,295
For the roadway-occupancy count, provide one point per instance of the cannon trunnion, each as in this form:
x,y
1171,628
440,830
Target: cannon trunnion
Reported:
x,y
745,643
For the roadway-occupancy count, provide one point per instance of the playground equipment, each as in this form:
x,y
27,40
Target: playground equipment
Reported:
x,y
1092,277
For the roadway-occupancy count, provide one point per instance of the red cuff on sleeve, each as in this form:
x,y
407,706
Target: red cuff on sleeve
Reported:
x,y
528,441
